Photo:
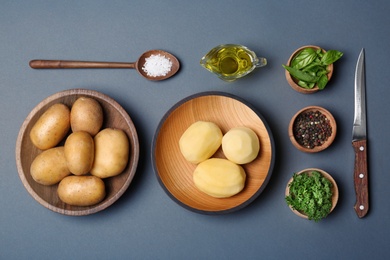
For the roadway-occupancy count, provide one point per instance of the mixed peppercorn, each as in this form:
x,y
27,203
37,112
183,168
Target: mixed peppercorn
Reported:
x,y
311,129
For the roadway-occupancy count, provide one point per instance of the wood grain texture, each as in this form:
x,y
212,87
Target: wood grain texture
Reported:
x,y
294,82
74,64
114,116
175,173
335,189
330,139
360,177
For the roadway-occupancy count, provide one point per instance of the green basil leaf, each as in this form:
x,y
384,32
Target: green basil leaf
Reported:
x,y
313,67
320,53
304,58
304,84
301,75
322,82
331,56
321,72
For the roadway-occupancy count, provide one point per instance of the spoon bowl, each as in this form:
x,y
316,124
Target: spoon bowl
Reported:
x,y
138,65
142,60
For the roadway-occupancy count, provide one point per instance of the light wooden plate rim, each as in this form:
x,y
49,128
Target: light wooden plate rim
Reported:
x,y
270,146
124,179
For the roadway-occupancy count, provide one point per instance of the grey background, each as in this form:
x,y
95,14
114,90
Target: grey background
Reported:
x,y
145,223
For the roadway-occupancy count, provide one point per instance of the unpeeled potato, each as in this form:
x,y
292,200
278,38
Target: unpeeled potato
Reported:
x,y
111,153
49,167
200,141
81,190
79,152
51,127
240,145
86,115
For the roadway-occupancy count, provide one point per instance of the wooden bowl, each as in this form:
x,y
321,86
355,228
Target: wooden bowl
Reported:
x,y
335,189
114,116
294,82
327,143
174,173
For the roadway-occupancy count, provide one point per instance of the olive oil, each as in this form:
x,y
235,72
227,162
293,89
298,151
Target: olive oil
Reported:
x,y
231,61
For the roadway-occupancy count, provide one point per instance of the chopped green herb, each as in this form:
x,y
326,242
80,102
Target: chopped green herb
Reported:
x,y
311,194
309,67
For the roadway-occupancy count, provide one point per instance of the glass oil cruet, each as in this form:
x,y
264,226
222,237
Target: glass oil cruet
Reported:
x,y
231,61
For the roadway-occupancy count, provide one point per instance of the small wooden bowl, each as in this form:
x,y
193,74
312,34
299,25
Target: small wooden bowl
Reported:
x,y
294,82
335,189
327,143
174,173
114,116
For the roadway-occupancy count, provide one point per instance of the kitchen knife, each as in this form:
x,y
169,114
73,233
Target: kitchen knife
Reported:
x,y
359,139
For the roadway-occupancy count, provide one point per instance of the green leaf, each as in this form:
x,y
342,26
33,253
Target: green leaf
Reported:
x,y
309,67
314,66
322,82
304,58
330,57
301,75
304,84
310,194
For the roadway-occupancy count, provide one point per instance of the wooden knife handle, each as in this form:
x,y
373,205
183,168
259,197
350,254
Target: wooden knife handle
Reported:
x,y
69,64
361,177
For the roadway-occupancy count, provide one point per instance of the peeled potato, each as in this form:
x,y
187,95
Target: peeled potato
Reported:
x,y
111,153
49,167
86,115
219,178
240,145
200,141
79,152
51,127
81,190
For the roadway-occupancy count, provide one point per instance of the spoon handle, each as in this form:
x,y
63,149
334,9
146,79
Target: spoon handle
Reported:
x,y
69,64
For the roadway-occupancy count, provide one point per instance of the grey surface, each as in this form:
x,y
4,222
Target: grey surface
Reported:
x,y
145,223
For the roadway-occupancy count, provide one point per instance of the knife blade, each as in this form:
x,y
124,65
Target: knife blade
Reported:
x,y
359,139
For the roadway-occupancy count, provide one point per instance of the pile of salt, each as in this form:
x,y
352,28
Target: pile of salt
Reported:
x,y
157,65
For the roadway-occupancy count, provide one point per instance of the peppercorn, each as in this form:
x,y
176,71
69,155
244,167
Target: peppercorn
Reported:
x,y
311,129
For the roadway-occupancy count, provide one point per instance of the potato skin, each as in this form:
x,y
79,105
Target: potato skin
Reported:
x,y
111,153
49,167
79,152
51,127
81,190
86,115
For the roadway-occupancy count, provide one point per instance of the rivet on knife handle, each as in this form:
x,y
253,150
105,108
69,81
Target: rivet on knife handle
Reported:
x,y
361,177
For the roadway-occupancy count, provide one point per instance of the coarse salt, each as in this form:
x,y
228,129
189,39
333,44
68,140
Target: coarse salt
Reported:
x,y
157,65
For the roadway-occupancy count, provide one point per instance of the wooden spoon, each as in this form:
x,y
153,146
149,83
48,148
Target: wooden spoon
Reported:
x,y
70,64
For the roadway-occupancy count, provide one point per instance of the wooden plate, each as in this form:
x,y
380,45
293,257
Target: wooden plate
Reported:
x,y
175,173
114,116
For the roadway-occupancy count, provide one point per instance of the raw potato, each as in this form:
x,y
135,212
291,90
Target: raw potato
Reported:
x,y
51,127
49,167
81,190
219,178
200,141
86,115
111,153
240,145
79,152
